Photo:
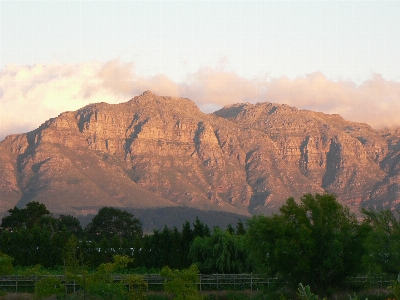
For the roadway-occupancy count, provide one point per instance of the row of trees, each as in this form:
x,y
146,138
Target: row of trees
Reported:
x,y
315,241
32,236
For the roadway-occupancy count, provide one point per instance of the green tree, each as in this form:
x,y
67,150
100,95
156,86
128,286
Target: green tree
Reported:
x,y
222,252
175,258
394,288
101,284
200,229
240,230
6,266
230,229
137,287
18,243
24,217
187,238
48,286
382,243
111,221
73,259
165,245
40,244
317,242
36,270
41,249
71,224
181,283
155,250
15,219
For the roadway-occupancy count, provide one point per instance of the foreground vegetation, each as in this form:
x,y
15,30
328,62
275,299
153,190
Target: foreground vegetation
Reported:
x,y
316,242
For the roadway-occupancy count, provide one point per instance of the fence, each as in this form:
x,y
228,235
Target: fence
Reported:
x,y
219,281
373,281
212,282
154,282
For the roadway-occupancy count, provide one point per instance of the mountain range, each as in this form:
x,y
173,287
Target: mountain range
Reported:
x,y
156,152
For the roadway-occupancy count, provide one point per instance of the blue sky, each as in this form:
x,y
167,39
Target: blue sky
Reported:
x,y
341,55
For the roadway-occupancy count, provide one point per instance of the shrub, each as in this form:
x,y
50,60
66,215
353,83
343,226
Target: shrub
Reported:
x,y
182,283
48,286
137,287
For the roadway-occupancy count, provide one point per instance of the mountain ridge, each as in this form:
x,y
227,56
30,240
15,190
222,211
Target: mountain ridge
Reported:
x,y
156,151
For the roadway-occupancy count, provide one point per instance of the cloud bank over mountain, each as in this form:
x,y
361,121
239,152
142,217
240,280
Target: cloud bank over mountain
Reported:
x,y
29,95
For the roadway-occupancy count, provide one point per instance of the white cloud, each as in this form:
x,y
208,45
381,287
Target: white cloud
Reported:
x,y
32,94
375,101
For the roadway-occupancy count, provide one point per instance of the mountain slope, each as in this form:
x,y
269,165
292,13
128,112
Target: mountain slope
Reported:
x,y
155,151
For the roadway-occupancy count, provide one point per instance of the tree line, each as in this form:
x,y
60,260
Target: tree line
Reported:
x,y
315,241
32,236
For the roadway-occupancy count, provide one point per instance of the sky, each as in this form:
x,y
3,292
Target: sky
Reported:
x,y
330,56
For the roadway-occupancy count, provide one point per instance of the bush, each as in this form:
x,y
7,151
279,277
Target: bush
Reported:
x,y
48,286
107,291
6,266
182,283
137,287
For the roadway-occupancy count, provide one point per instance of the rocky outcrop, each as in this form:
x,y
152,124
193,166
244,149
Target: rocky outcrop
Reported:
x,y
333,154
155,151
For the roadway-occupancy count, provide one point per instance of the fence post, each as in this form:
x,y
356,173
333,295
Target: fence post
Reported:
x,y
16,284
200,282
251,281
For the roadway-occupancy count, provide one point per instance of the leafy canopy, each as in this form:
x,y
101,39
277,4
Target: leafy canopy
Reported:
x,y
182,283
48,286
382,242
111,221
222,252
6,266
24,217
316,241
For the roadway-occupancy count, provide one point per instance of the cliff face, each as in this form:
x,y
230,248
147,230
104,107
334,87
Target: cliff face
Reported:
x,y
336,155
155,151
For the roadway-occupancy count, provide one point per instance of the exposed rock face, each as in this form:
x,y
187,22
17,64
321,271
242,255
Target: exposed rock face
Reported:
x,y
336,155
155,151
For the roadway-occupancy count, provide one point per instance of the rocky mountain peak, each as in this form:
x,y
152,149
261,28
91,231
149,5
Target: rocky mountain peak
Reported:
x,y
158,151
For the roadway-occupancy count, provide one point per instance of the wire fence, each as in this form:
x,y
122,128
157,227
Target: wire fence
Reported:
x,y
211,282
